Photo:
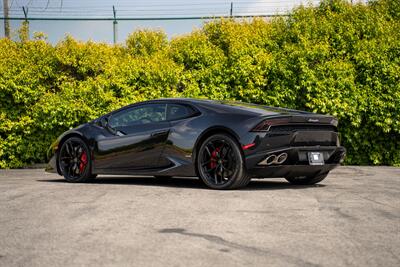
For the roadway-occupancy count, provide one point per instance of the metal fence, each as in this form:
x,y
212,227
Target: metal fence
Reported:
x,y
41,12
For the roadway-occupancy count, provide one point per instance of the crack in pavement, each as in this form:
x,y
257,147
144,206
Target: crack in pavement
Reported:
x,y
219,240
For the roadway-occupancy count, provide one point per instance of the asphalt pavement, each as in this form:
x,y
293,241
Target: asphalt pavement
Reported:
x,y
351,219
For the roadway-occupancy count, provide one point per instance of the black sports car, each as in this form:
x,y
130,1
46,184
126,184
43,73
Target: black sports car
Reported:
x,y
224,143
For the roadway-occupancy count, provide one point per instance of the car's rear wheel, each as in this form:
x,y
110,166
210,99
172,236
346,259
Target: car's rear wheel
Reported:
x,y
74,160
308,180
220,163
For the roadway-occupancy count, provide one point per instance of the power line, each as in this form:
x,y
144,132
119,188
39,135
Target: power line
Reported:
x,y
143,18
47,6
151,11
187,7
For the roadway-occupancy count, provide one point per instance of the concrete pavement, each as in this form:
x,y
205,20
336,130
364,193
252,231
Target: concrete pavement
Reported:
x,y
351,219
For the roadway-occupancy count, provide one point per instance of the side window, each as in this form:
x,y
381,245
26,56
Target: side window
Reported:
x,y
150,113
176,111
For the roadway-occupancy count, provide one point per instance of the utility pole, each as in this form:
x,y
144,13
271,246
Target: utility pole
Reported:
x,y
6,21
26,22
231,11
115,26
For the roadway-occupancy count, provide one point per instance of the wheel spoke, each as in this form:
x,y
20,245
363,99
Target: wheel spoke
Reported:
x,y
64,165
208,151
212,146
67,149
72,149
222,173
70,170
79,151
226,152
76,169
206,163
209,170
75,149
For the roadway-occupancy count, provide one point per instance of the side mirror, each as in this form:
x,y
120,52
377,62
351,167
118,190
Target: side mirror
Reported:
x,y
104,122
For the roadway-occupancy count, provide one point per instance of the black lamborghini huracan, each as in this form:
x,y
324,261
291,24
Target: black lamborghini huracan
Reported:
x,y
224,143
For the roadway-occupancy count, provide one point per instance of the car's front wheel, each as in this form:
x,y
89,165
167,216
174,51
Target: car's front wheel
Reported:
x,y
220,163
308,180
74,160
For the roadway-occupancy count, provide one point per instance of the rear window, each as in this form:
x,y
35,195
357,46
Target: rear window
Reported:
x,y
177,111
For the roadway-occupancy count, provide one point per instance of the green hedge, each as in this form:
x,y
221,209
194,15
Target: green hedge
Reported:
x,y
337,58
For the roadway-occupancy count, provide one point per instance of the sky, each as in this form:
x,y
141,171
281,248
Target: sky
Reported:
x,y
102,31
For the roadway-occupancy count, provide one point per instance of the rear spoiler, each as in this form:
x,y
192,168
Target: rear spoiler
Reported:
x,y
267,122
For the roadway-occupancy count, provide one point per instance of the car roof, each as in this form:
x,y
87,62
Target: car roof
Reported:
x,y
232,106
220,106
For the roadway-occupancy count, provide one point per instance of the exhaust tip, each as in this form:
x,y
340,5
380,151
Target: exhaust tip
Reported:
x,y
274,159
269,160
281,158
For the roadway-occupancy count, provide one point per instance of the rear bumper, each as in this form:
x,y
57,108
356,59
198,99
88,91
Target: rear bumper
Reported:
x,y
296,163
290,170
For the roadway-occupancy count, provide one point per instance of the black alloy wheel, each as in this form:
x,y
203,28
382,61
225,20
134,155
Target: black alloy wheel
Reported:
x,y
220,163
74,160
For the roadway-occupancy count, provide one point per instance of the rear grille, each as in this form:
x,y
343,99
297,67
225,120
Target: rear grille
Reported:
x,y
302,127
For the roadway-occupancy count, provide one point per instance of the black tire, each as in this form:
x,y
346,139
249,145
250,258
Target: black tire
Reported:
x,y
74,161
309,180
220,163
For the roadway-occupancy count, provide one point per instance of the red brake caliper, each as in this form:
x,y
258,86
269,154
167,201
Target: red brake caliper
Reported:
x,y
83,161
213,160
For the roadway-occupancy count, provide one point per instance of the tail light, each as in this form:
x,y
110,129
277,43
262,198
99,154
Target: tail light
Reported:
x,y
266,124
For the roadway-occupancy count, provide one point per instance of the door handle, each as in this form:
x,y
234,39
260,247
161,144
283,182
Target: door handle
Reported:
x,y
159,133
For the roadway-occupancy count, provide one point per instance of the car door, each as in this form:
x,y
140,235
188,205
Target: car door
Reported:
x,y
139,137
181,137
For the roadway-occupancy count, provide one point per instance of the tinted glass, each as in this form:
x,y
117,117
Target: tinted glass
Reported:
x,y
176,111
150,113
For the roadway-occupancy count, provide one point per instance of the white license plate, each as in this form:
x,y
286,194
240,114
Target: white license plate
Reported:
x,y
316,158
